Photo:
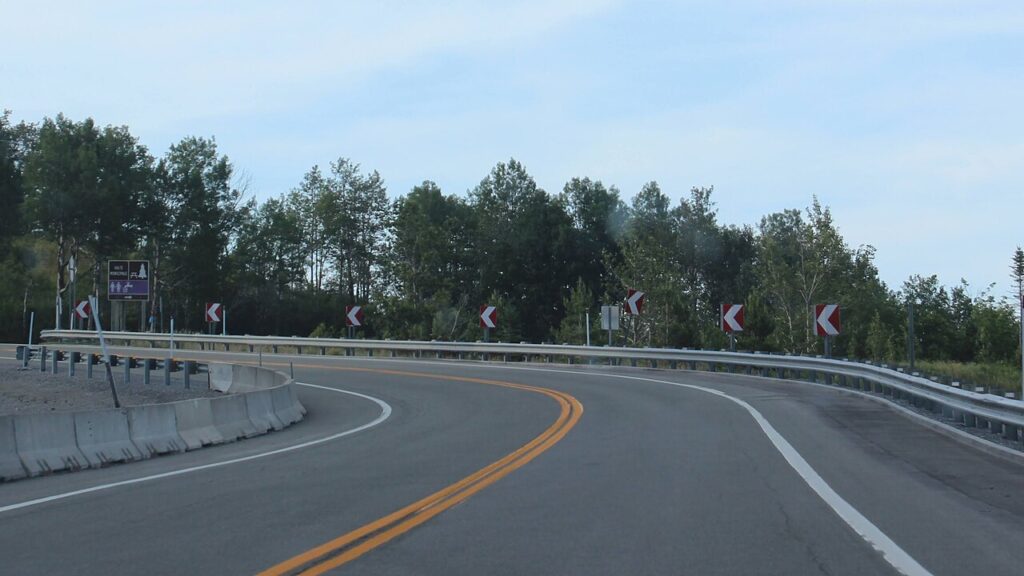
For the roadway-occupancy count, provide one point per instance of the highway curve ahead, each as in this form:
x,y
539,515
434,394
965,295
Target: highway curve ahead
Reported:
x,y
465,468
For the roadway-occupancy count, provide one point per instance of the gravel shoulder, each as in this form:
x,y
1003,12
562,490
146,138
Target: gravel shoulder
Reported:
x,y
32,391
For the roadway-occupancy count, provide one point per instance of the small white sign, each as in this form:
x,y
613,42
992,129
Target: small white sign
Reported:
x,y
609,317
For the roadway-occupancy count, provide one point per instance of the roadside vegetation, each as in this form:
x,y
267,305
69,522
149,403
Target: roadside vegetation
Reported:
x,y
422,261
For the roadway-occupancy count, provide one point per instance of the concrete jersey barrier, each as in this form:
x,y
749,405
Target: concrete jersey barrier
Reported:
x,y
103,436
231,417
47,442
11,467
195,423
259,400
154,429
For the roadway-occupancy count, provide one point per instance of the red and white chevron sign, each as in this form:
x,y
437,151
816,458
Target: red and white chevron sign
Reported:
x,y
214,312
82,309
634,301
826,319
353,315
732,317
488,316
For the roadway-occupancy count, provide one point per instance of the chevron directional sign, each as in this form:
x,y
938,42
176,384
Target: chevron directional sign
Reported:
x,y
826,319
634,301
732,317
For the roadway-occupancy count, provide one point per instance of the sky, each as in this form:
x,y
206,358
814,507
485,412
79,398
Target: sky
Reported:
x,y
904,117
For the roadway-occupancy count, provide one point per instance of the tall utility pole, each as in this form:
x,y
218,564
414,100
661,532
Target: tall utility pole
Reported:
x,y
910,333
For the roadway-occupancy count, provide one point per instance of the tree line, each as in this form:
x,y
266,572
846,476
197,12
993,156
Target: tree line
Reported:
x,y
76,194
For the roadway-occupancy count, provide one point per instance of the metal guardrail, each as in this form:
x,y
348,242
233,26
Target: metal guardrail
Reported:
x,y
999,415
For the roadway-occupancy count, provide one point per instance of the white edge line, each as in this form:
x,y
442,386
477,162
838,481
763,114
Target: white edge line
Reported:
x,y
899,559
385,413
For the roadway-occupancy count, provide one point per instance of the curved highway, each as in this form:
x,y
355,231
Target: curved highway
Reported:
x,y
538,470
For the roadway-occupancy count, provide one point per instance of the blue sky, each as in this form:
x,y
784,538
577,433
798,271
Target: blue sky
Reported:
x,y
904,117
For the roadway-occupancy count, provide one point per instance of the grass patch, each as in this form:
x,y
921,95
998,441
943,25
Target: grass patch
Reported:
x,y
1002,377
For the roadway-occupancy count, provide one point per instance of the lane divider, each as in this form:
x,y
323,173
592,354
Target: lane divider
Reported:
x,y
385,413
354,544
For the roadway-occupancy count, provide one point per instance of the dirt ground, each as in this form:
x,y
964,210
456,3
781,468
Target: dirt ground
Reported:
x,y
32,391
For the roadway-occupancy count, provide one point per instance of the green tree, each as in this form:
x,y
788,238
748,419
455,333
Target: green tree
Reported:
x,y
15,140
574,327
522,247
203,212
799,263
84,185
431,245
270,267
356,228
598,218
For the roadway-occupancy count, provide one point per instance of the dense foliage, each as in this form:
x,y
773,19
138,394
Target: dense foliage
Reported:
x,y
421,264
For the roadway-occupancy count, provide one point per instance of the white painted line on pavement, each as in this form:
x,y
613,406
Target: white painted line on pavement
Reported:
x,y
899,559
385,413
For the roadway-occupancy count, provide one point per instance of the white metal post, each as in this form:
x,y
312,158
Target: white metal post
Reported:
x,y
588,328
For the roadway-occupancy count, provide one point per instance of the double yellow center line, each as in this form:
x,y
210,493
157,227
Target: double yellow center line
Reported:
x,y
354,544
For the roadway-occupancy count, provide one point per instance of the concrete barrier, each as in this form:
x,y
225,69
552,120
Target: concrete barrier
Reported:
x,y
154,429
260,406
231,417
245,378
259,400
195,423
103,437
46,442
11,467
286,404
221,376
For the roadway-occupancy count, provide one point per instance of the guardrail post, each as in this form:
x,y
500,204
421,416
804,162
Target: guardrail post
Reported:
x,y
1010,432
251,348
90,361
392,353
202,345
56,358
970,420
632,362
147,365
167,371
128,371
189,367
42,358
71,364
369,352
274,348
323,350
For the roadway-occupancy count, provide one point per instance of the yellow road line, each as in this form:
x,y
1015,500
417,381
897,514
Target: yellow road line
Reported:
x,y
363,539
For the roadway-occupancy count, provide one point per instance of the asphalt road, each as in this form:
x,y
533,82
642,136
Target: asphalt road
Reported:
x,y
654,478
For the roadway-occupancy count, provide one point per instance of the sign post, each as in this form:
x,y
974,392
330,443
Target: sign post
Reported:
x,y
31,328
609,320
827,323
731,316
106,353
